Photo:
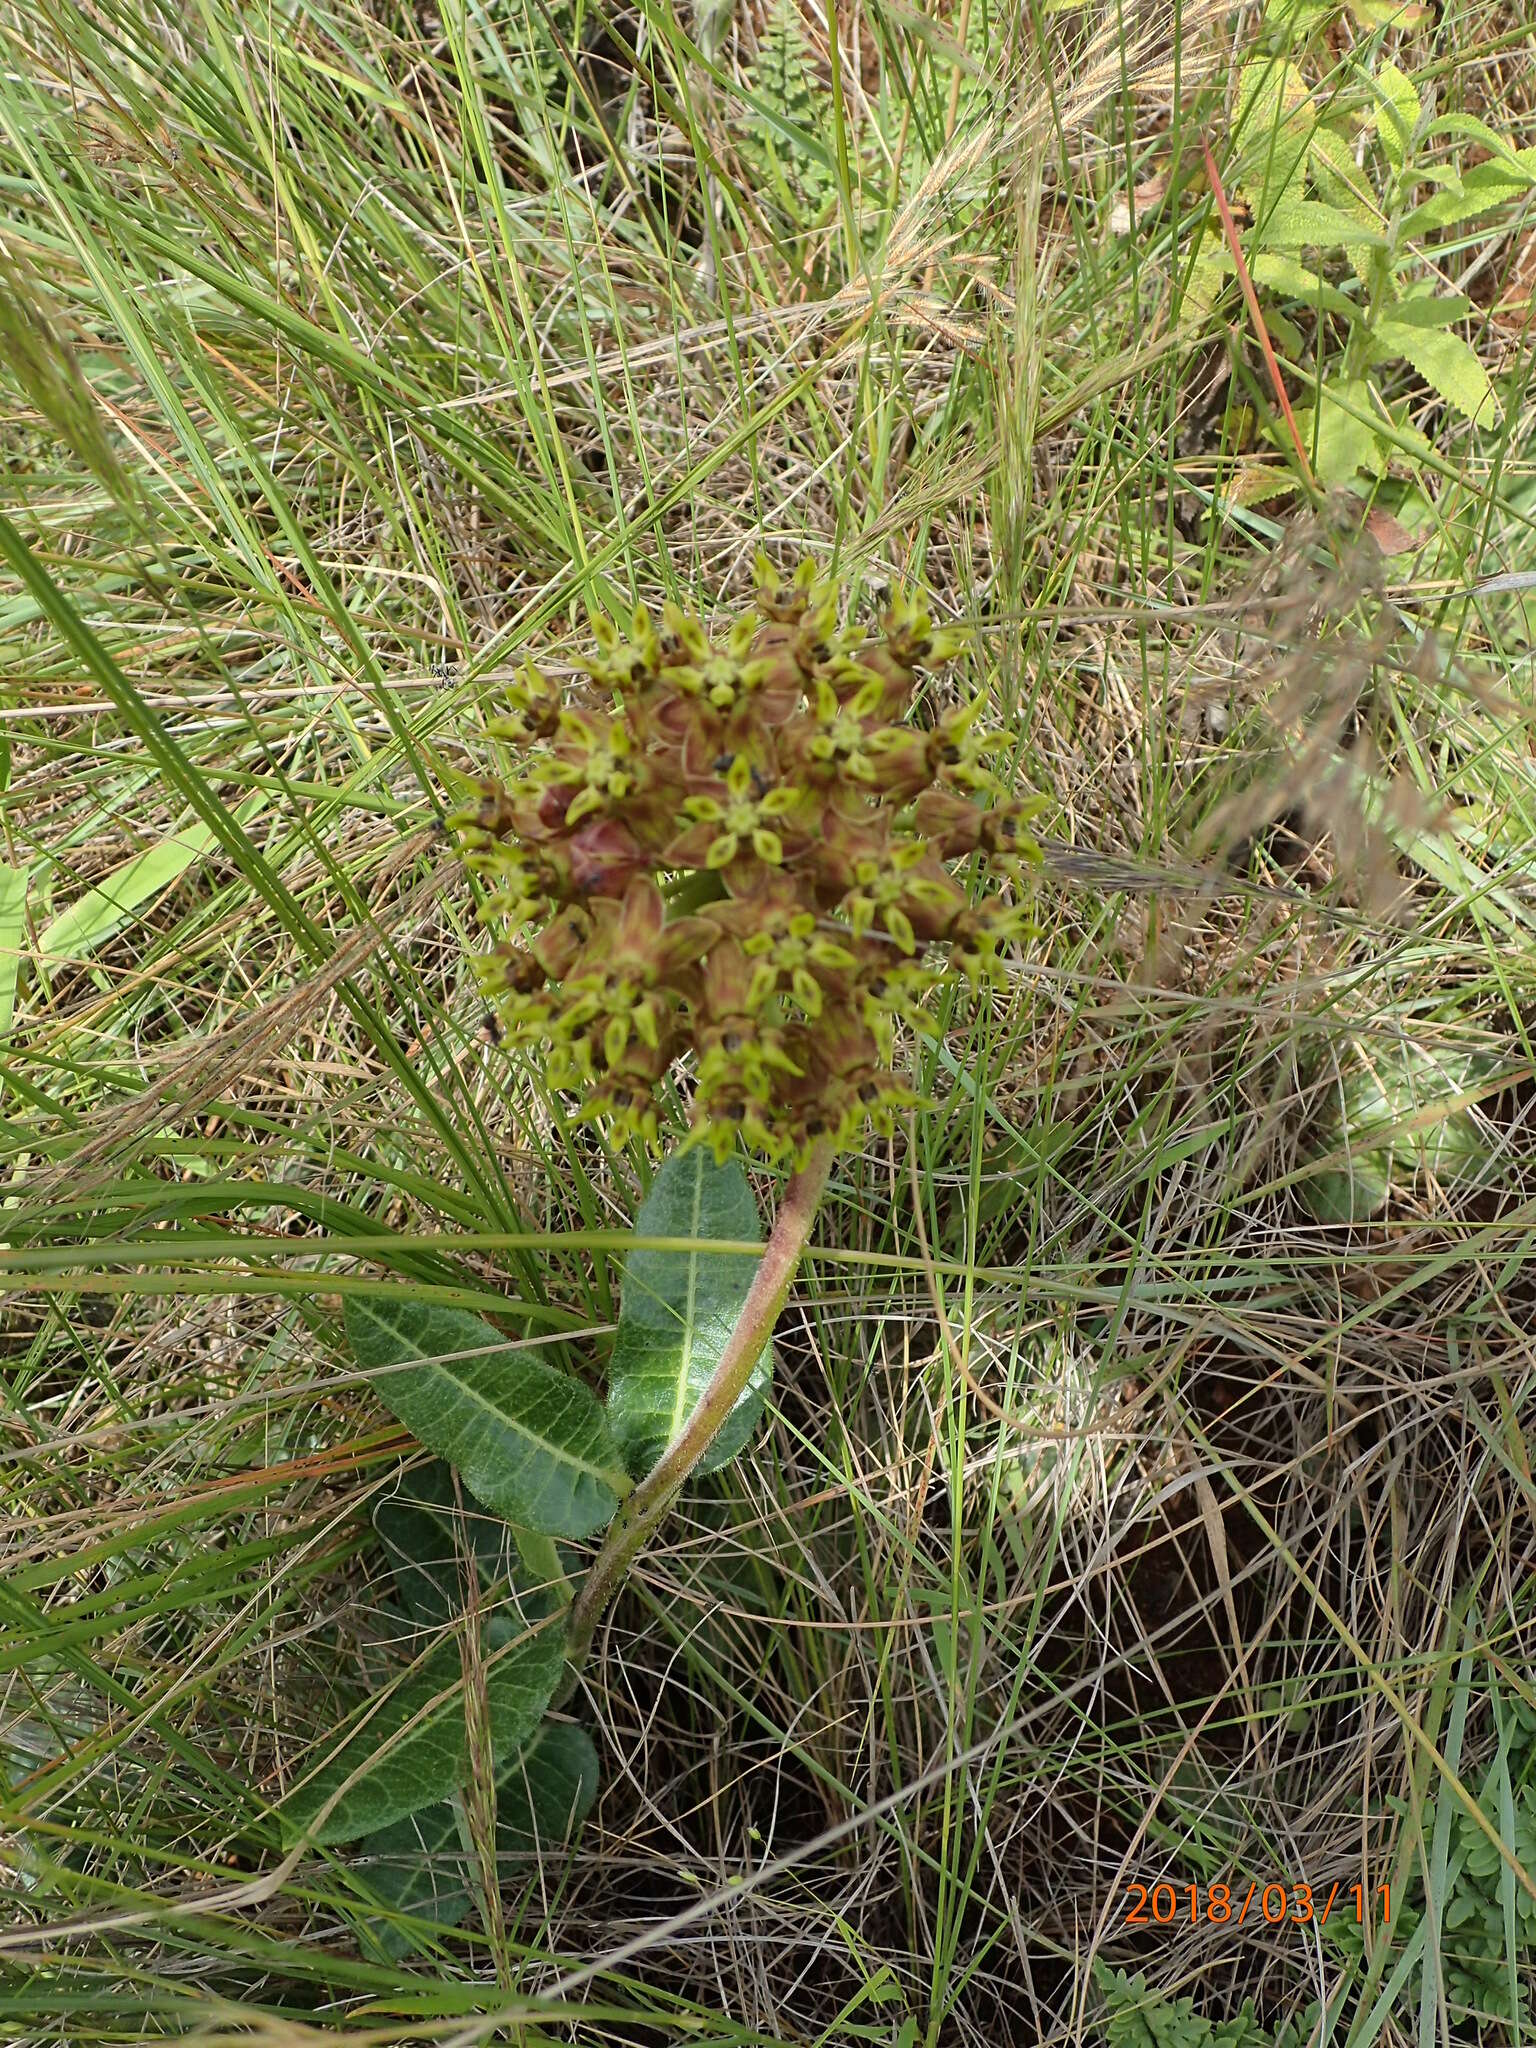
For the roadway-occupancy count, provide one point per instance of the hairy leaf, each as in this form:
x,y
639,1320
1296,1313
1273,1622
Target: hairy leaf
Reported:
x,y
1340,434
423,1865
407,1750
1285,274
1444,361
678,1308
1396,114
1308,224
1467,126
531,1442
1483,187
426,1527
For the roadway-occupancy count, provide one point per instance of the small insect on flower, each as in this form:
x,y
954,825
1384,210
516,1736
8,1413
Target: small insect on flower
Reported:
x,y
741,853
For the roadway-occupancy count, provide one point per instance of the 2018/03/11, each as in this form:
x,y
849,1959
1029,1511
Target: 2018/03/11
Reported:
x,y
1164,1904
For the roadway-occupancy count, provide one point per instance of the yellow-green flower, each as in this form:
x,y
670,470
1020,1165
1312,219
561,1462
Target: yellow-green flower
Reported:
x,y
746,816
733,852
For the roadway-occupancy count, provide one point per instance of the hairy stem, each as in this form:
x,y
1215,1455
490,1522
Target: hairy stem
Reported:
x,y
651,1499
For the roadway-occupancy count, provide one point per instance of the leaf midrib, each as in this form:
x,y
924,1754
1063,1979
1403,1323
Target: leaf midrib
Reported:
x,y
610,1478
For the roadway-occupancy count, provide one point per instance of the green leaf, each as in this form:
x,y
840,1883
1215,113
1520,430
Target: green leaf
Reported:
x,y
1284,274
1398,1110
1273,123
1397,113
1297,17
1141,2016
678,1308
1422,306
408,1749
1272,94
1340,435
1521,161
1480,189
424,1533
423,1865
1388,13
1308,224
1446,362
531,1442
431,1525
94,916
13,909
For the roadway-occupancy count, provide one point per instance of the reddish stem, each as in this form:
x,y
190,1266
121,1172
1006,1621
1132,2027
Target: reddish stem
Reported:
x,y
1230,226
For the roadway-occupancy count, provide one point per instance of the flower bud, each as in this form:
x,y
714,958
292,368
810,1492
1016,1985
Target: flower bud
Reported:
x,y
732,850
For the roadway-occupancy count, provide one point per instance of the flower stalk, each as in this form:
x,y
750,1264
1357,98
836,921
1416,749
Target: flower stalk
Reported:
x,y
651,1499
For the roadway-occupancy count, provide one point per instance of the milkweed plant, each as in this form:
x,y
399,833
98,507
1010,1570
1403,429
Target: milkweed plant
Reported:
x,y
747,861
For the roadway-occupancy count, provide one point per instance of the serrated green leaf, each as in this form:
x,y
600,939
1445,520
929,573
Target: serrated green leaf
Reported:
x,y
1271,93
1468,127
1396,114
531,1442
1273,122
1423,306
1445,362
1340,434
1206,279
1331,159
1309,224
421,1866
1282,273
1481,189
407,1751
677,1310
1338,180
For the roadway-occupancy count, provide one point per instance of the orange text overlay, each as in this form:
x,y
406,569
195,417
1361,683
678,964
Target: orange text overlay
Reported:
x,y
1190,1905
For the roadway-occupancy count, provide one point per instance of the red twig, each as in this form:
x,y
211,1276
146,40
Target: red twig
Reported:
x,y
1230,226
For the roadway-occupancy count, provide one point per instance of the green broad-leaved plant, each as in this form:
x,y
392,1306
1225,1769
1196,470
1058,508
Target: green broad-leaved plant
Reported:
x,y
528,1457
1351,188
739,861
1398,1116
1138,2015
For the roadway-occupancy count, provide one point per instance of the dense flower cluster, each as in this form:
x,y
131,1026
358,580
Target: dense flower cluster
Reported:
x,y
740,849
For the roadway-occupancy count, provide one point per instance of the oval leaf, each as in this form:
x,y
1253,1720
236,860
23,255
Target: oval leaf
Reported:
x,y
409,1750
532,1443
429,1529
1399,1110
422,1867
678,1309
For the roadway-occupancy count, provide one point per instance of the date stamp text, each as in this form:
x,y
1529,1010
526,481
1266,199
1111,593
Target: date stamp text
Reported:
x,y
1191,1905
